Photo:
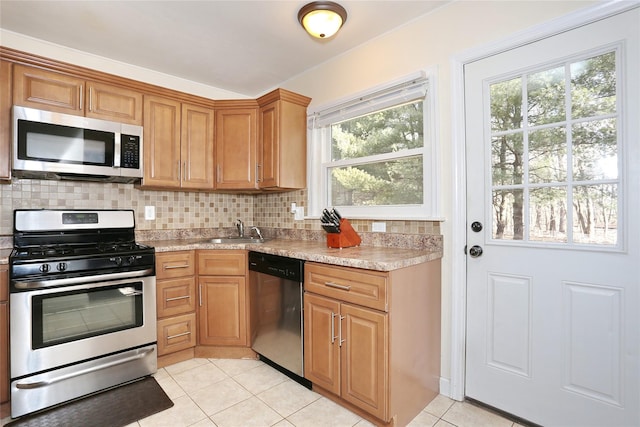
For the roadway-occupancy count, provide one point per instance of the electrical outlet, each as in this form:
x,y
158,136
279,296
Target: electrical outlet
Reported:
x,y
299,214
379,227
149,212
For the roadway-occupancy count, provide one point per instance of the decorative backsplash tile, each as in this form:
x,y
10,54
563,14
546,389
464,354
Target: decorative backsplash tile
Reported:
x,y
185,213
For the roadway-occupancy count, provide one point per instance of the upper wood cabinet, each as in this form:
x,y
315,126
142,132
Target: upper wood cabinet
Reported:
x,y
51,91
5,120
282,145
236,136
178,144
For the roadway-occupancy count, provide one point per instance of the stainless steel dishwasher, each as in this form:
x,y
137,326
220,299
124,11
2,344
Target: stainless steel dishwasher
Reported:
x,y
275,295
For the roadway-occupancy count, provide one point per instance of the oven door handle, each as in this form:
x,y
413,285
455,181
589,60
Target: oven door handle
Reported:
x,y
40,284
39,384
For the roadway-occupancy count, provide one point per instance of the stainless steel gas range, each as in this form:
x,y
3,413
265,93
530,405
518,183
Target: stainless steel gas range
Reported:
x,y
82,305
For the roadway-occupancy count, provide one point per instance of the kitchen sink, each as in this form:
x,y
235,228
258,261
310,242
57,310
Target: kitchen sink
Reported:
x,y
235,239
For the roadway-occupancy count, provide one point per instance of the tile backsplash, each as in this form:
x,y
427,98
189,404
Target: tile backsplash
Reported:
x,y
176,210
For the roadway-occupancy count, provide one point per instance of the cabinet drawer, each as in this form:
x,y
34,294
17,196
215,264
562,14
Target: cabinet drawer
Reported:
x,y
175,264
222,263
176,333
175,296
363,287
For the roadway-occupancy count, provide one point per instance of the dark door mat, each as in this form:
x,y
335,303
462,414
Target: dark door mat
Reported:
x,y
115,407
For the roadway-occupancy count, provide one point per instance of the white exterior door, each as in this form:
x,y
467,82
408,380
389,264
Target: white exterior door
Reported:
x,y
553,190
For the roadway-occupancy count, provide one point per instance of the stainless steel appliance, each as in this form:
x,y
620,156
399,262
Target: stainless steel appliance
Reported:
x,y
63,146
82,305
275,294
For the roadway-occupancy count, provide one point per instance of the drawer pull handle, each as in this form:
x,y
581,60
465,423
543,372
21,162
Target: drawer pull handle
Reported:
x,y
171,267
179,335
338,286
177,298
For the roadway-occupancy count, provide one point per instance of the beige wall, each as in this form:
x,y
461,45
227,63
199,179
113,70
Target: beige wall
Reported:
x,y
429,42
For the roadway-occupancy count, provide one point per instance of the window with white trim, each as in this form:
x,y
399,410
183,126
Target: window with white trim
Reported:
x,y
373,156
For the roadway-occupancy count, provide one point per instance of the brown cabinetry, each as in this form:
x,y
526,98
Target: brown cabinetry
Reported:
x,y
5,120
51,91
222,311
372,339
236,136
282,142
4,333
178,144
176,303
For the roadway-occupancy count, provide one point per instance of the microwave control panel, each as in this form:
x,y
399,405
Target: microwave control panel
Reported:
x,y
130,152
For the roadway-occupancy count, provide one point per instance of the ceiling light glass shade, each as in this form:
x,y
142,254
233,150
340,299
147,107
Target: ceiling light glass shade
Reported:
x,y
322,19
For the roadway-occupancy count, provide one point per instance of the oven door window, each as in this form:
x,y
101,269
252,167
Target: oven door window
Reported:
x,y
70,316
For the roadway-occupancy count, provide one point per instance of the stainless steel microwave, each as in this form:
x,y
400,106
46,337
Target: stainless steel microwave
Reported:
x,y
49,145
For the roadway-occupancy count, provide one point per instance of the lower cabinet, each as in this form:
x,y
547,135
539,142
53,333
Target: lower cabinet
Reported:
x,y
4,333
222,287
372,339
175,306
346,352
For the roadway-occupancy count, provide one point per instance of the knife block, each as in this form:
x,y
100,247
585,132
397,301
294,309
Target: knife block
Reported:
x,y
346,238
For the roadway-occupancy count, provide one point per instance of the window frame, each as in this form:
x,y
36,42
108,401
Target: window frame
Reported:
x,y
420,85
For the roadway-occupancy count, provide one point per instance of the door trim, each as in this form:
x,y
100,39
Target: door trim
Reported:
x,y
455,386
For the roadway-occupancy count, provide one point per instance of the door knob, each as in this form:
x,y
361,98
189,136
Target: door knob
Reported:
x,y
476,226
475,251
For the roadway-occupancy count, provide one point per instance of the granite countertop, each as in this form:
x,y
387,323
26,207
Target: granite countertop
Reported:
x,y
367,257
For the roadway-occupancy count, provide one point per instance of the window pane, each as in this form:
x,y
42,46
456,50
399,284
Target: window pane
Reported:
x,y
391,130
593,86
506,105
548,214
548,155
375,184
595,150
546,97
595,213
507,154
508,219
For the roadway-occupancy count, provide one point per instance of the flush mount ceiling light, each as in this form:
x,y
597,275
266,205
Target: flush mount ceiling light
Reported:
x,y
322,19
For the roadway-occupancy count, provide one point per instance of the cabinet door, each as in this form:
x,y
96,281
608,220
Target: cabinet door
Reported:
x,y
222,313
175,296
161,142
176,333
115,103
365,359
269,131
5,120
236,136
197,147
321,342
47,90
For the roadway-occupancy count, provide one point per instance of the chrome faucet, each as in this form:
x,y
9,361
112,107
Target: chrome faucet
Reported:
x,y
258,233
240,227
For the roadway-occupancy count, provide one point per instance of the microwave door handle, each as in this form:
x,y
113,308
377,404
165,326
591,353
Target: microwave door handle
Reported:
x,y
117,149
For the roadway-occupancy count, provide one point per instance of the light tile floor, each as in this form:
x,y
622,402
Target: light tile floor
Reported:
x,y
239,393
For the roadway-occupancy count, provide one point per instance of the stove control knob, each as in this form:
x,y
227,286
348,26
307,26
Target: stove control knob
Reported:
x,y
131,260
62,266
117,260
44,268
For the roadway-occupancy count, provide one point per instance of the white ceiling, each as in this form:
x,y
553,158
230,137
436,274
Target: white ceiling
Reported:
x,y
247,47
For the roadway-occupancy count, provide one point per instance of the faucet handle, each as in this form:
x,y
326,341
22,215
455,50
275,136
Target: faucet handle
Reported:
x,y
258,233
